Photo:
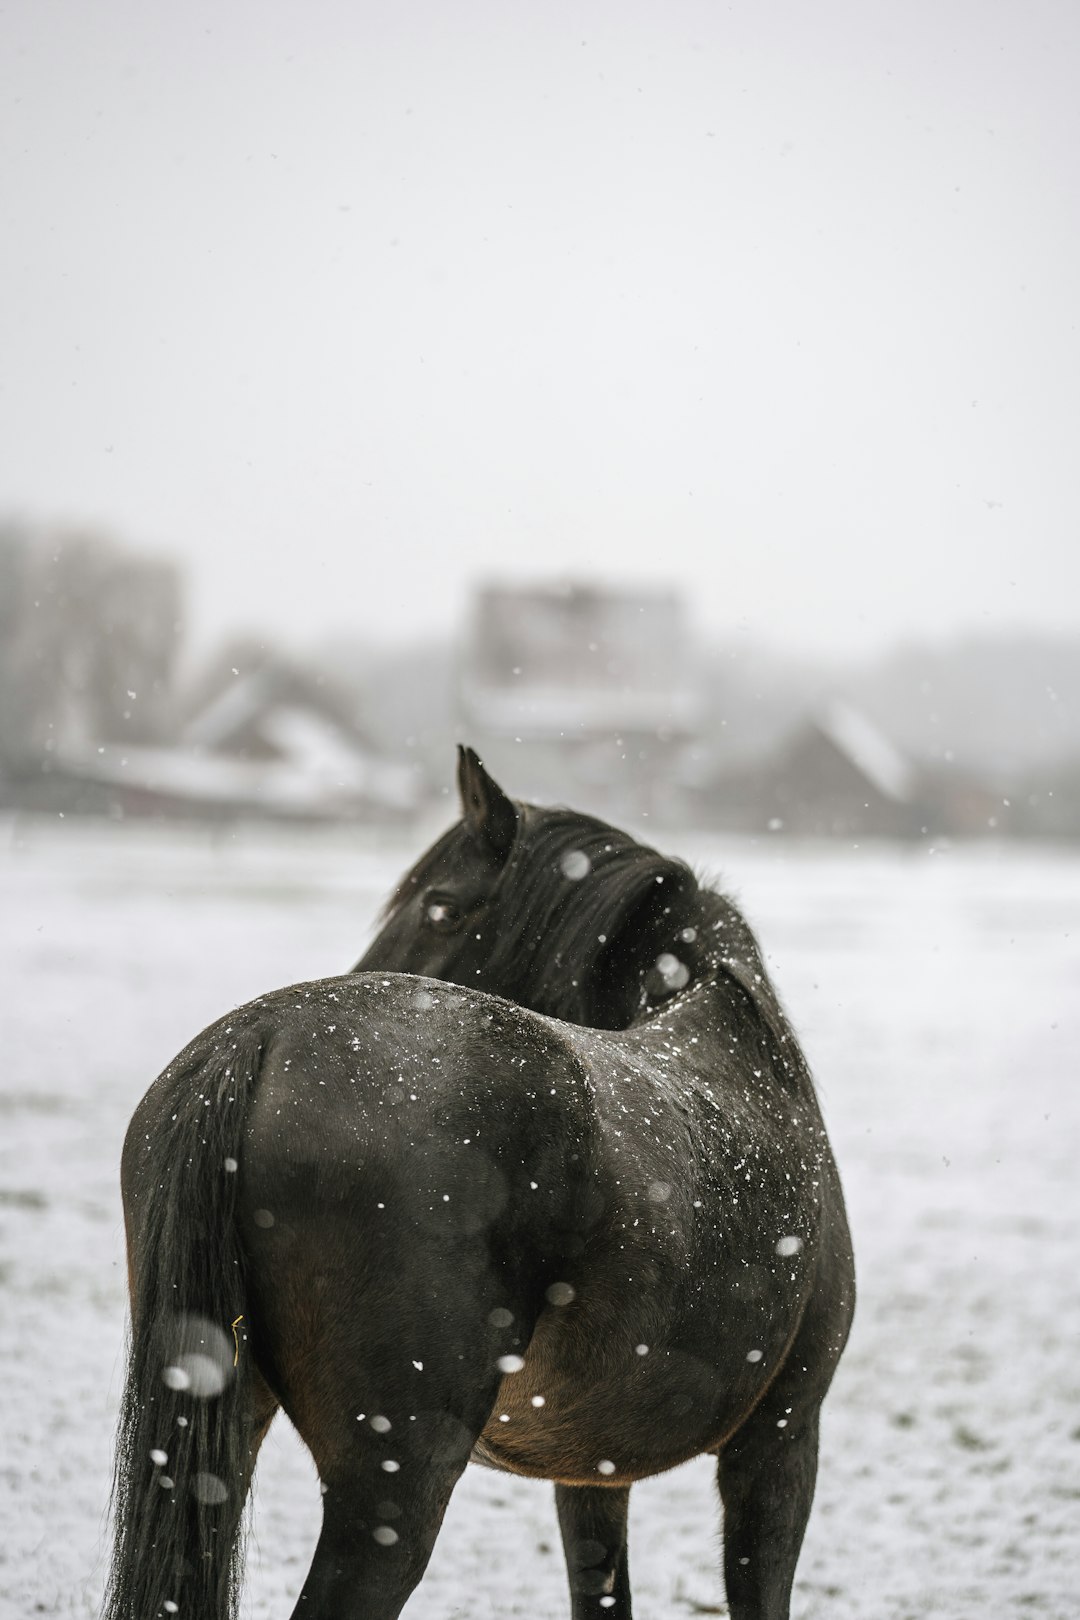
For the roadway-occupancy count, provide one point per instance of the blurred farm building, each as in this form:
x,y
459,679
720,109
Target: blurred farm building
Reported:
x,y
273,743
836,774
583,694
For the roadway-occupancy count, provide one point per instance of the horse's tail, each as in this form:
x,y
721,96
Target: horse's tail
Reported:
x,y
185,1442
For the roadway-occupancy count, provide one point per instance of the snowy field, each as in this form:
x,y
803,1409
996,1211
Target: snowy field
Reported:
x,y
937,995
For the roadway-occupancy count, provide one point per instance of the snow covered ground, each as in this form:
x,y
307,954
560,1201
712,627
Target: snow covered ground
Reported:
x,y
937,995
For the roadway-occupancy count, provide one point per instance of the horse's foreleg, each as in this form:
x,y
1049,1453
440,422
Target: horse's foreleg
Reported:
x,y
592,1519
766,1476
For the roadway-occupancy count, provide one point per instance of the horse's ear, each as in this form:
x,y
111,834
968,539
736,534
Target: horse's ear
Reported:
x,y
490,817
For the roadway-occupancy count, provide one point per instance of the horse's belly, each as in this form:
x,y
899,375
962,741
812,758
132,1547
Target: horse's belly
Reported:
x,y
612,1430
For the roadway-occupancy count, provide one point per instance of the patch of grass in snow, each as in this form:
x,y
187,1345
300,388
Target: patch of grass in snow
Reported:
x,y
35,1102
22,1198
966,1437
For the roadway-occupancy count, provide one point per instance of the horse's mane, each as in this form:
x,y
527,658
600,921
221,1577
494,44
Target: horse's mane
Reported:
x,y
586,950
582,947
555,947
575,884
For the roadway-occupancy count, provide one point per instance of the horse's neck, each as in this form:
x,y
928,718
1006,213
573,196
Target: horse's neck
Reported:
x,y
732,994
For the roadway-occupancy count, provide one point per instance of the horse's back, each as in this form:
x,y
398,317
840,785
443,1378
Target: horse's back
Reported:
x,y
405,1076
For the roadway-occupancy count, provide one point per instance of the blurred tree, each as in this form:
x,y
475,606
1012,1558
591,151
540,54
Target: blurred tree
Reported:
x,y
88,640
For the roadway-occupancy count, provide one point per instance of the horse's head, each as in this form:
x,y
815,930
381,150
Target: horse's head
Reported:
x,y
436,921
552,909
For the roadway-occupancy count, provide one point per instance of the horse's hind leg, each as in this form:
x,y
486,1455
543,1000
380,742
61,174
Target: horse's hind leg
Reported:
x,y
384,1496
592,1519
766,1475
390,1431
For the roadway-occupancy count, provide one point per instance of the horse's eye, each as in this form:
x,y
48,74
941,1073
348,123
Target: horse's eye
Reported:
x,y
443,916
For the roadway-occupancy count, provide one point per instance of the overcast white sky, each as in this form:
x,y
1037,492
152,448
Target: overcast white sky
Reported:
x,y
349,304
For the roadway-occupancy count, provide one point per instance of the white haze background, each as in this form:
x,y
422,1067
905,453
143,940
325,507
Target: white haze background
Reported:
x,y
349,304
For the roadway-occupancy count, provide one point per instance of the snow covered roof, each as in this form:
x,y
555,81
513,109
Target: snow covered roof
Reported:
x,y
869,750
290,786
282,706
234,707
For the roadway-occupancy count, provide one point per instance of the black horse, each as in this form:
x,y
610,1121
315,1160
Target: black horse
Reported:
x,y
580,1235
